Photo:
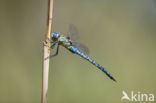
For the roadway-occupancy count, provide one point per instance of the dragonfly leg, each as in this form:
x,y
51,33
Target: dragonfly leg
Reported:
x,y
52,42
53,45
57,50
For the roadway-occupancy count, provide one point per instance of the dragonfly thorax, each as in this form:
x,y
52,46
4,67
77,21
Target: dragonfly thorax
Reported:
x,y
55,35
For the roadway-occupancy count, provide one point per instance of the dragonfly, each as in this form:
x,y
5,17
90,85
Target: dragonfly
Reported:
x,y
69,42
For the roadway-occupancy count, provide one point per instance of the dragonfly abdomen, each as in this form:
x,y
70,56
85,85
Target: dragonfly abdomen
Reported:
x,y
76,51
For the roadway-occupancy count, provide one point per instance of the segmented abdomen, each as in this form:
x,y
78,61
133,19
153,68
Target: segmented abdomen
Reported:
x,y
76,51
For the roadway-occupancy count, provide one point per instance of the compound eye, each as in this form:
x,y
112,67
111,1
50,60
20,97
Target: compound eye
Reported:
x,y
55,35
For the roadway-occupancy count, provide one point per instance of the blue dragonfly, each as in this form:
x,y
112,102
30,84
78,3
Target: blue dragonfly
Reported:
x,y
68,41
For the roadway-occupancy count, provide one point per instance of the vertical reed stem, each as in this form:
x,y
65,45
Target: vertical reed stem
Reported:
x,y
46,52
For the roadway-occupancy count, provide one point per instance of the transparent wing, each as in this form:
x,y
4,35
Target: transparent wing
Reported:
x,y
73,33
81,47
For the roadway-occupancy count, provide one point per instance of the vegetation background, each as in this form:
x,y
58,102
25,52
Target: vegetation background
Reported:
x,y
121,36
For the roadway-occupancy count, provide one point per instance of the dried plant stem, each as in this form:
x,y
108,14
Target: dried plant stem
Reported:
x,y
46,53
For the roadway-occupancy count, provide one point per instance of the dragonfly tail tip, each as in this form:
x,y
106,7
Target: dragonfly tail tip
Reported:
x,y
113,79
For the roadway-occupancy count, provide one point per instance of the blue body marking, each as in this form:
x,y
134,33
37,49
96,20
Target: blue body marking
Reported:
x,y
76,51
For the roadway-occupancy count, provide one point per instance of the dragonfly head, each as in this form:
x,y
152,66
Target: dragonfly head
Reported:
x,y
55,35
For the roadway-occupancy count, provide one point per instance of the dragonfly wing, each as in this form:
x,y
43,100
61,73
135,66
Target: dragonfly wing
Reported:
x,y
81,47
73,33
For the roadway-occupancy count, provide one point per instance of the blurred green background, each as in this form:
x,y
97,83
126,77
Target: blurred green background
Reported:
x,y
121,36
